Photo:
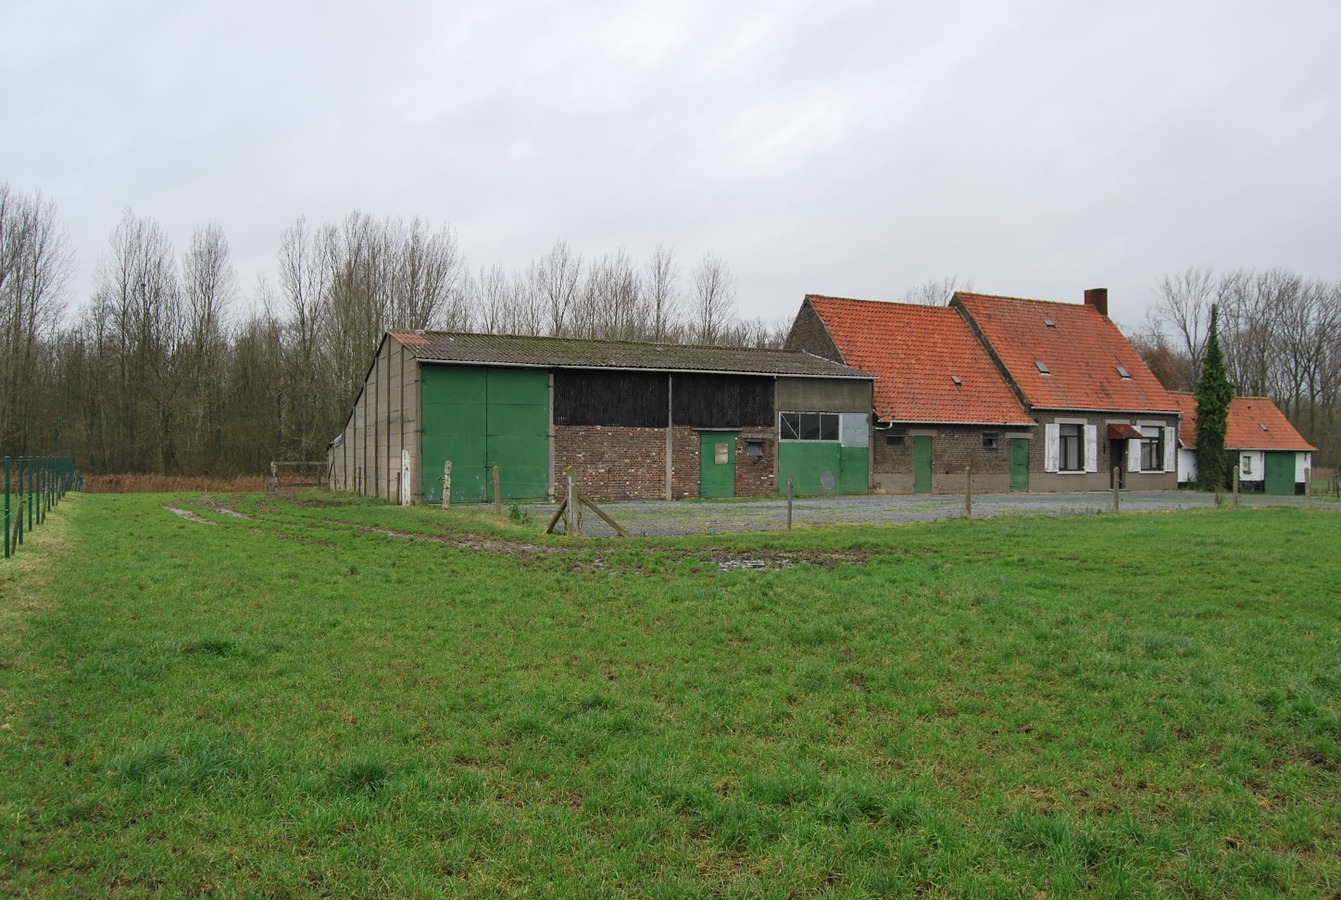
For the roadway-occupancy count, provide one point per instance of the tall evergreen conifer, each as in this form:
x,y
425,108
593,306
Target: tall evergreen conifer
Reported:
x,y
1214,391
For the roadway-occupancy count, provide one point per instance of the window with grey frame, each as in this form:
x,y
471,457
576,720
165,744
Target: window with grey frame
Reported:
x,y
808,426
1152,448
1070,444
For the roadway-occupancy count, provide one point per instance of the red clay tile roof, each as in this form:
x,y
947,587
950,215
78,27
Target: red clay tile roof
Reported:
x,y
1082,351
916,352
1255,423
574,353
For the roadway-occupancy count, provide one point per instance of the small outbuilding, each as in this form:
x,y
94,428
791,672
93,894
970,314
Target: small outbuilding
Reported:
x,y
634,420
1271,455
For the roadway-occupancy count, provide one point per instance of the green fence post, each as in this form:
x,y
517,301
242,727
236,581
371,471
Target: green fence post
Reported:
x,y
23,467
6,507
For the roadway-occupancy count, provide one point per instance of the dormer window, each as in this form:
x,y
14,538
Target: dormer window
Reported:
x,y
1122,370
1042,367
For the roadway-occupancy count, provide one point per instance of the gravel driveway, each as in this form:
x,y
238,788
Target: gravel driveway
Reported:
x,y
663,518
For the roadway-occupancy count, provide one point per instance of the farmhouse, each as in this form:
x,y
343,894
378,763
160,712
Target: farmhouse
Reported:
x,y
1270,453
634,420
940,403
1033,394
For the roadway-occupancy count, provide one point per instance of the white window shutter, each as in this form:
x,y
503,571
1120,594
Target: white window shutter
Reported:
x,y
1170,449
1051,440
1091,448
1134,455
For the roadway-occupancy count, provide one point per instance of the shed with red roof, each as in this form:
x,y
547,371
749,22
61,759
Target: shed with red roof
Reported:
x,y
1268,451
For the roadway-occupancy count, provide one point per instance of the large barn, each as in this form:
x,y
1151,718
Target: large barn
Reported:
x,y
634,420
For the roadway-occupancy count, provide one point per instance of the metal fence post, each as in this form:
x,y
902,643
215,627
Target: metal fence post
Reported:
x,y
23,467
6,507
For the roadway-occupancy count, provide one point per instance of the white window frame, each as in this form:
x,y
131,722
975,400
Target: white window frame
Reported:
x,y
1088,451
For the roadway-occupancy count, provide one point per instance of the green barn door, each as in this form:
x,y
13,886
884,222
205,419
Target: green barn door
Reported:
x,y
454,401
921,464
517,433
1019,464
717,464
479,418
1279,473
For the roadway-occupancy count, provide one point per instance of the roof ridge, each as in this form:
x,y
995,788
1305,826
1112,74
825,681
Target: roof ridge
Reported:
x,y
1065,303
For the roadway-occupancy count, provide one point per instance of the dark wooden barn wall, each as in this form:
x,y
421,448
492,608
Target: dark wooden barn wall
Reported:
x,y
635,399
638,399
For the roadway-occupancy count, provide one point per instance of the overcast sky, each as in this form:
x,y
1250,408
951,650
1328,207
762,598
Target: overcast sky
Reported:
x,y
853,149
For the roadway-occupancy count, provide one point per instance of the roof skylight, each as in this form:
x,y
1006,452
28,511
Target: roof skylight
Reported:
x,y
956,379
1122,370
1042,367
1049,323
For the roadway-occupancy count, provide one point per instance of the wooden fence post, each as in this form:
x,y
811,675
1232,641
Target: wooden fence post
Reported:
x,y
1308,487
574,517
789,504
1236,482
498,497
968,492
1117,502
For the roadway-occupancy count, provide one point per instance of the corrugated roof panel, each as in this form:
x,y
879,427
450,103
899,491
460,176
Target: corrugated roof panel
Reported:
x,y
547,352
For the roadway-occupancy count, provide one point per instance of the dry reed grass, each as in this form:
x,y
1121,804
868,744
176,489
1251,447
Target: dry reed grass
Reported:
x,y
165,484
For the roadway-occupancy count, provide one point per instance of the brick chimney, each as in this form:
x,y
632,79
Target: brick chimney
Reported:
x,y
1098,298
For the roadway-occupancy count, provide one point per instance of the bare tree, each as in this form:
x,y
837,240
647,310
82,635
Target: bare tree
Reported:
x,y
936,292
208,287
1185,302
555,278
714,299
661,286
35,266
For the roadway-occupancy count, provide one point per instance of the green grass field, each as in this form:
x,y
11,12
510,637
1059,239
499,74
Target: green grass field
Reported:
x,y
338,698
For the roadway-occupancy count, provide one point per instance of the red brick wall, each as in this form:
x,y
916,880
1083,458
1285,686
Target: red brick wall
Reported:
x,y
619,463
756,476
612,463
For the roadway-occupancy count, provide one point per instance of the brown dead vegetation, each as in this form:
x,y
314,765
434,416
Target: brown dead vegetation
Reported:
x,y
171,484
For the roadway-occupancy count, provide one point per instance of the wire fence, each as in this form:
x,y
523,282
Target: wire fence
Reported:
x,y
33,486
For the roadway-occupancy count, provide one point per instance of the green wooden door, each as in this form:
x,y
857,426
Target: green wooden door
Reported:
x,y
717,464
1019,464
478,418
922,464
454,401
517,433
1279,473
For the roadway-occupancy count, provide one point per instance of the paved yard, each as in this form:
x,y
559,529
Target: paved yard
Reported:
x,y
661,518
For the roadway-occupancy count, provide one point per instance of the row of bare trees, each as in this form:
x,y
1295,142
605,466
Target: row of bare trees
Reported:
x,y
1281,335
165,368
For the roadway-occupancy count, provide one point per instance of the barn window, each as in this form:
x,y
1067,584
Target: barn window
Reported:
x,y
809,426
989,440
754,446
894,437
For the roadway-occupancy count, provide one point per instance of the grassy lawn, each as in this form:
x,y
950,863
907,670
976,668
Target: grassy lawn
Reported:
x,y
349,699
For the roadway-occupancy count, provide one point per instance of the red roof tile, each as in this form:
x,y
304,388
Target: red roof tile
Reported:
x,y
916,353
1255,423
1081,350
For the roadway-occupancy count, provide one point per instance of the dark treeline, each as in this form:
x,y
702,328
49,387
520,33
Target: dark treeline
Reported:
x,y
165,369
1281,337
